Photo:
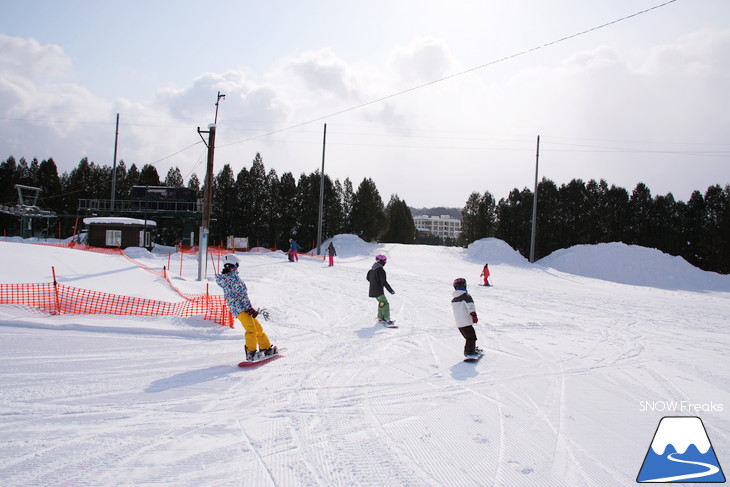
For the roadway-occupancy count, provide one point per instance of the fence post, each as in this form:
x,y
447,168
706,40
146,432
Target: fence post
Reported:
x,y
55,289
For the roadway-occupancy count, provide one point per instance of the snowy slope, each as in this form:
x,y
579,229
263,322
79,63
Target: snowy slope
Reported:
x,y
557,400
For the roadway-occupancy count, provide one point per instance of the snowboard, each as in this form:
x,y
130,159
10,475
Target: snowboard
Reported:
x,y
486,285
262,360
472,359
388,325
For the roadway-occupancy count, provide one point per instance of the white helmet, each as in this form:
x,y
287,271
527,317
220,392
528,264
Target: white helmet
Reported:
x,y
230,259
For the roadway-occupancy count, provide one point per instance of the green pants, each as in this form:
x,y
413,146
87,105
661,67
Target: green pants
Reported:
x,y
383,307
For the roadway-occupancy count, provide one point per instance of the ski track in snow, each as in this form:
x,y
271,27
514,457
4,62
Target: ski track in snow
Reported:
x,y
555,401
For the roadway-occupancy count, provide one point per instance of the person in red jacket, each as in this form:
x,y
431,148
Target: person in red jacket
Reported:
x,y
485,274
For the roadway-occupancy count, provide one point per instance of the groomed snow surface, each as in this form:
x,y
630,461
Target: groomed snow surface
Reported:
x,y
584,352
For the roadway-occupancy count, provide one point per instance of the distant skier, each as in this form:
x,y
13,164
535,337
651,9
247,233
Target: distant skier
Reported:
x,y
485,274
236,294
293,249
331,252
378,280
465,314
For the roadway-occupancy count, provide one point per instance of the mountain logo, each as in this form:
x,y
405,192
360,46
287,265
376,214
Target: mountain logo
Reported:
x,y
681,452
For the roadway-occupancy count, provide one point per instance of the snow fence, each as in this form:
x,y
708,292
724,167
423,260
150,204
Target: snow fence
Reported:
x,y
56,298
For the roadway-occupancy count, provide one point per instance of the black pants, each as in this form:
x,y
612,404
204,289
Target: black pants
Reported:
x,y
471,339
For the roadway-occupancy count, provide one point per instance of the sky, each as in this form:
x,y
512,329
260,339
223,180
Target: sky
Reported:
x,y
433,101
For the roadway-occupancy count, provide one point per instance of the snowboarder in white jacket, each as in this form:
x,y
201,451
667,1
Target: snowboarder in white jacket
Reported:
x,y
465,314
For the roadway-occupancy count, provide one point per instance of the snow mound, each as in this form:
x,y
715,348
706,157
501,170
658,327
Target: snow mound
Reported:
x,y
138,253
494,251
635,265
349,245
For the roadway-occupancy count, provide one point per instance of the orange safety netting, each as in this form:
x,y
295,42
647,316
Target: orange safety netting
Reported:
x,y
61,299
57,298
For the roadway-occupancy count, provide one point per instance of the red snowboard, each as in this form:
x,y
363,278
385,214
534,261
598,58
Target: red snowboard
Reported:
x,y
263,360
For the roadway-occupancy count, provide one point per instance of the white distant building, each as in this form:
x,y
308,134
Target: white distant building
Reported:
x,y
442,226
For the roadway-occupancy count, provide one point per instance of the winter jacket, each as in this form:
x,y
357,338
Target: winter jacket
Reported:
x,y
463,305
235,292
294,246
378,281
331,250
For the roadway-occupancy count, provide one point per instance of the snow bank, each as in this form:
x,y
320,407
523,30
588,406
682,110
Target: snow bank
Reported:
x,y
349,245
635,265
494,251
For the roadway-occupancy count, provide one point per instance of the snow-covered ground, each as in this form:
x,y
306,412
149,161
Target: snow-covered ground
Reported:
x,y
585,351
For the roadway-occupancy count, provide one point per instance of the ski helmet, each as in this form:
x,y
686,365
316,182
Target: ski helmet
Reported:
x,y
230,259
381,258
460,283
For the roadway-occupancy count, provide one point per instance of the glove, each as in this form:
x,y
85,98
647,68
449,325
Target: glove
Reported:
x,y
474,318
255,313
392,292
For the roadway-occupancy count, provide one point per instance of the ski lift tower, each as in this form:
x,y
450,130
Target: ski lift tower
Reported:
x,y
26,209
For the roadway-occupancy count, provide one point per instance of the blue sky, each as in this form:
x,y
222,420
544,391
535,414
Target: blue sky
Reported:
x,y
641,100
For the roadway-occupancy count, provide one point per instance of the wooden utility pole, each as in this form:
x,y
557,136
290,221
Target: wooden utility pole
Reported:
x,y
534,206
207,203
207,196
321,194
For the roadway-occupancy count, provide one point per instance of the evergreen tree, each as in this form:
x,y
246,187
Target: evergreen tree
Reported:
x,y
549,236
470,228
347,198
286,208
614,214
478,217
259,200
148,176
715,247
132,179
243,226
514,215
334,209
666,223
401,228
274,210
174,178
8,194
122,186
78,185
194,183
574,212
641,226
50,184
368,218
307,209
694,226
225,206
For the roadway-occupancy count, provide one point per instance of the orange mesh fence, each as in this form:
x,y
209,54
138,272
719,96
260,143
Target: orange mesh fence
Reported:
x,y
61,299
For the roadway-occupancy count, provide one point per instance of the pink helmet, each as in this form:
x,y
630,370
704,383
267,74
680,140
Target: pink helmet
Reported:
x,y
381,258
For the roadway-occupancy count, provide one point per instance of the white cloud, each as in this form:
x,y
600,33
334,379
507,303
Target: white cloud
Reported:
x,y
481,124
28,58
424,60
323,73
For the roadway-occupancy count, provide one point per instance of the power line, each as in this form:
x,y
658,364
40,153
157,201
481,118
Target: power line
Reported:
x,y
461,73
